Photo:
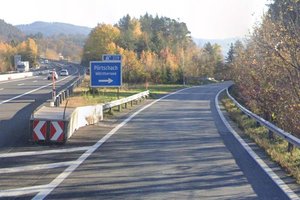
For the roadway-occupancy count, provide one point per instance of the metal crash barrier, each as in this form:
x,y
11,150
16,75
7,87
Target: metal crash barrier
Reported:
x,y
50,124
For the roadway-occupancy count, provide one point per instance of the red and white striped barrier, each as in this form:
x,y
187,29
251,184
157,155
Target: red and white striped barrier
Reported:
x,y
39,130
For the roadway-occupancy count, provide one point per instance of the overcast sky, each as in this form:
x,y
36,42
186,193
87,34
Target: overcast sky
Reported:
x,y
210,19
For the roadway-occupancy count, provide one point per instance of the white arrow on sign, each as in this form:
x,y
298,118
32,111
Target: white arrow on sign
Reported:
x,y
58,132
109,80
37,130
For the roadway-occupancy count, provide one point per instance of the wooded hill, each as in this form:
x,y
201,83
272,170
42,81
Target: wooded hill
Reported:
x,y
9,33
55,28
155,49
34,44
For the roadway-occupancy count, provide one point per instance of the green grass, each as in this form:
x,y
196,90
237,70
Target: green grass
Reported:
x,y
84,95
276,148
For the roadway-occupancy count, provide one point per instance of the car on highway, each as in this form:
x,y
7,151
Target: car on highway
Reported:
x,y
64,72
52,73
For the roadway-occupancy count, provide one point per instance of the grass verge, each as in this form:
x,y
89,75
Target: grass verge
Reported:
x,y
276,148
83,95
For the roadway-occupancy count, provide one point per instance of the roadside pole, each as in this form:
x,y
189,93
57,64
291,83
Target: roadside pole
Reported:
x,y
53,87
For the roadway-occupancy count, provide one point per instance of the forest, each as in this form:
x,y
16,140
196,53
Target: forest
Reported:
x,y
153,49
266,67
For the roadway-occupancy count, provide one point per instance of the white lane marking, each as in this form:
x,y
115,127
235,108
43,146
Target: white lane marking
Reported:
x,y
29,92
33,153
34,167
35,81
58,132
21,191
16,80
20,84
1,89
37,130
61,177
284,187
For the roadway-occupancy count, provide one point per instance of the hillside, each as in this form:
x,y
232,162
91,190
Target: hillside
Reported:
x,y
8,32
56,28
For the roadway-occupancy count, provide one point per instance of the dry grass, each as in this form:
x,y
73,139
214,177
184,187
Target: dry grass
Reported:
x,y
83,95
276,148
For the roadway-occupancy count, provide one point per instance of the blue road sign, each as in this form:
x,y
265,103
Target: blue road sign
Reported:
x,y
105,74
111,57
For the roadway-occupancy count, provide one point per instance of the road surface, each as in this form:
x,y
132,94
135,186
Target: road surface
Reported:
x,y
174,148
19,98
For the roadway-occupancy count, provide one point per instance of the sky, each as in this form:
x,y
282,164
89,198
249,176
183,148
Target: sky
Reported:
x,y
209,19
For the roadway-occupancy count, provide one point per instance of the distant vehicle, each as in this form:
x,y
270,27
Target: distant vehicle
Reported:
x,y
46,61
64,72
23,66
54,74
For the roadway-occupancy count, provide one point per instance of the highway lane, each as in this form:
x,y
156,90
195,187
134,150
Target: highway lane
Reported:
x,y
18,99
175,148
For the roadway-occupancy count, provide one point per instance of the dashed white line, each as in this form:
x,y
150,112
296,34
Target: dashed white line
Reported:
x,y
29,92
1,89
21,191
20,84
47,152
34,167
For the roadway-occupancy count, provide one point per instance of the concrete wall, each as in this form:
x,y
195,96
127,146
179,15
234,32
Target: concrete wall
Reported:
x,y
6,77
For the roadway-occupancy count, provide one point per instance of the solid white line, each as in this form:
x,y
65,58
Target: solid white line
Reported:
x,y
34,153
20,84
61,177
29,92
284,187
34,167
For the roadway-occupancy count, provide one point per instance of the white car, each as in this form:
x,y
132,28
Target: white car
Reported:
x,y
54,74
64,72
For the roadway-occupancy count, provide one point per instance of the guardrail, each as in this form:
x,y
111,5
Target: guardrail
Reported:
x,y
53,125
126,100
271,127
65,93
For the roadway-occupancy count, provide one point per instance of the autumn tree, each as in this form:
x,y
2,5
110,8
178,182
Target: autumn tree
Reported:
x,y
267,71
99,42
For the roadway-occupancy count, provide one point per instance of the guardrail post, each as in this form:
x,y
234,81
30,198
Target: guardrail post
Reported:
x,y
270,135
290,148
257,124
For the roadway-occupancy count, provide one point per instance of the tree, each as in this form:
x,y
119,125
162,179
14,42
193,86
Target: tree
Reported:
x,y
267,70
99,42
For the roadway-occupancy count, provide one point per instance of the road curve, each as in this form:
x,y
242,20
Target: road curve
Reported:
x,y
177,148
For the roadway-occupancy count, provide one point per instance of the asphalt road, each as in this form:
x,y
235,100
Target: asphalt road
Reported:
x,y
19,98
175,148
